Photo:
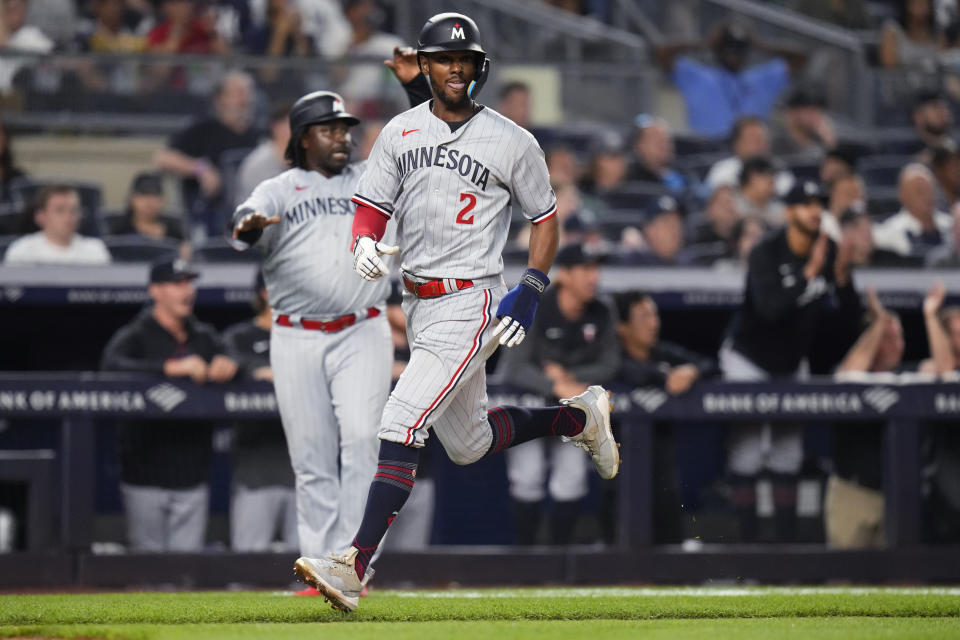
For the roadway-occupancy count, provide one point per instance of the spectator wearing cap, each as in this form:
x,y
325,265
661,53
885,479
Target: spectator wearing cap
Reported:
x,y
716,95
263,503
144,206
58,215
654,157
945,164
947,255
608,165
164,464
572,344
195,153
912,39
932,120
796,281
756,196
806,132
661,237
919,227
267,160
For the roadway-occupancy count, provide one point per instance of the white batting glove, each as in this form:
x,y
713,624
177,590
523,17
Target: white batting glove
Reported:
x,y
366,258
510,332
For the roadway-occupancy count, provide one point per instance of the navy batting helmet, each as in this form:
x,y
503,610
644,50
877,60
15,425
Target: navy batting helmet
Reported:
x,y
455,32
318,107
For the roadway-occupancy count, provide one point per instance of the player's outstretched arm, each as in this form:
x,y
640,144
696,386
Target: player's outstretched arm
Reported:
x,y
518,307
254,222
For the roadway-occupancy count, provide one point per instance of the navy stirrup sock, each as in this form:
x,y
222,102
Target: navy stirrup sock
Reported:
x,y
391,486
514,425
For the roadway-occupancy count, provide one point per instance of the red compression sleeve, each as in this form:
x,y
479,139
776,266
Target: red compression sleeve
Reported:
x,y
367,221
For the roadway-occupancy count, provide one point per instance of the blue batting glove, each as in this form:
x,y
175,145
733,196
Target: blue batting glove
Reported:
x,y
519,306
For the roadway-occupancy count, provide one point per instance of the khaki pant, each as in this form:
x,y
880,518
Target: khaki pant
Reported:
x,y
853,515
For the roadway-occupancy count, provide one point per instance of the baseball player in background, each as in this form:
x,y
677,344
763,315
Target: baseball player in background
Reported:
x,y
447,172
330,346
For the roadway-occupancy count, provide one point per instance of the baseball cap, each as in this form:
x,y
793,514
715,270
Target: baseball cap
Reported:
x,y
575,254
659,206
607,143
171,270
804,192
148,184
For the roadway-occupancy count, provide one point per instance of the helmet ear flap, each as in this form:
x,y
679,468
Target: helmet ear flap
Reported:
x,y
483,67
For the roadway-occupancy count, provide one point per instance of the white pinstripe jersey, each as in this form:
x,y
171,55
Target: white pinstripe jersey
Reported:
x,y
451,193
308,267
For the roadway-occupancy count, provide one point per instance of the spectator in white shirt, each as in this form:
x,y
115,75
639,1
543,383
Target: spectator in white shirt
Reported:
x,y
18,36
919,227
750,138
57,242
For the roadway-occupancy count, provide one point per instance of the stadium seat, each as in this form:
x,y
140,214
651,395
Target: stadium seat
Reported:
x,y
685,145
703,254
699,164
632,195
24,191
220,250
882,201
802,168
135,248
883,171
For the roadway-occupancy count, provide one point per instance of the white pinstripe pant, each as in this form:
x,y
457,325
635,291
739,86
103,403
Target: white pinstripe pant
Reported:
x,y
331,388
445,384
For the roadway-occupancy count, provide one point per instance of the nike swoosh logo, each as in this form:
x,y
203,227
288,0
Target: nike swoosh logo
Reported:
x,y
300,188
405,132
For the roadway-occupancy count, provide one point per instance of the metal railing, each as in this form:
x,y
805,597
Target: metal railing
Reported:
x,y
159,94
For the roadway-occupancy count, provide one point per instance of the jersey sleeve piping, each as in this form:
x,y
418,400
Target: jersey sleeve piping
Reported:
x,y
543,217
358,199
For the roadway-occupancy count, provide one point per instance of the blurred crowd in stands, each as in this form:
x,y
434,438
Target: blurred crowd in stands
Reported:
x,y
629,193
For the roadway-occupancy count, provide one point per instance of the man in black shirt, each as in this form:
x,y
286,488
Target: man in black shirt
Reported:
x,y
796,279
264,499
164,466
196,153
572,344
649,361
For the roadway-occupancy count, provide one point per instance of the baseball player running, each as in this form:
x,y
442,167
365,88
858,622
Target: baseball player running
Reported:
x,y
447,172
330,345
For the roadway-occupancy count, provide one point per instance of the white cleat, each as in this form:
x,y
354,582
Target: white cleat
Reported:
x,y
597,437
334,577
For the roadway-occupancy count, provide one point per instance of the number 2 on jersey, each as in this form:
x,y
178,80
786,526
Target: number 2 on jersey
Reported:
x,y
462,217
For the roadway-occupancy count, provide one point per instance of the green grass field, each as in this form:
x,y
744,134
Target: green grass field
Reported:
x,y
557,614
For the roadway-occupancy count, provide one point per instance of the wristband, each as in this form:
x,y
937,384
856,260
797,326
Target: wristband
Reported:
x,y
535,279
